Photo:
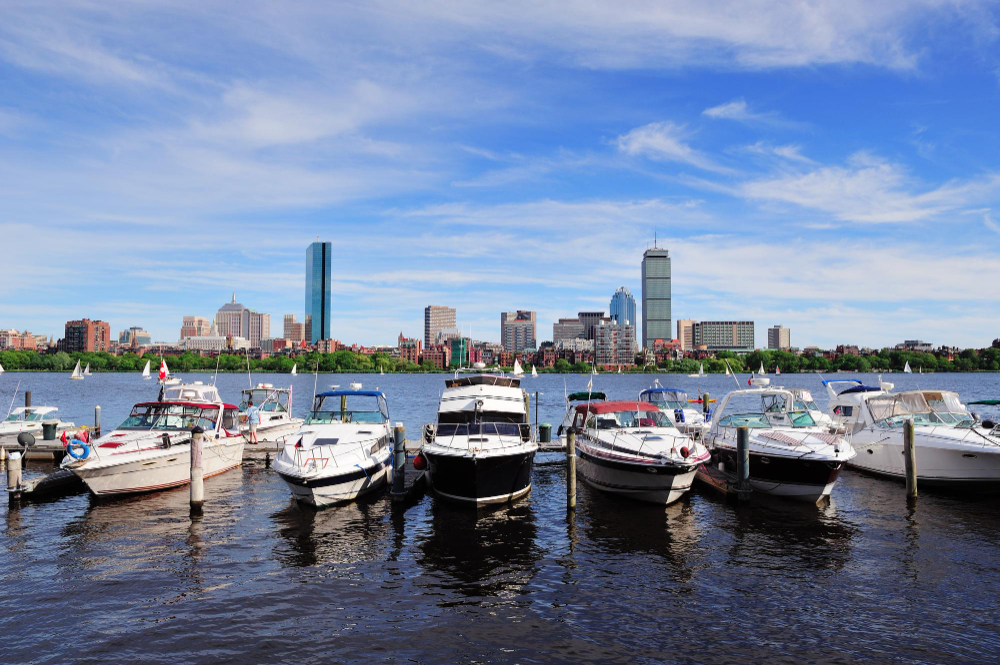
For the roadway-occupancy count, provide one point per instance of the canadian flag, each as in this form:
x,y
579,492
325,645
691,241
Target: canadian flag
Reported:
x,y
163,370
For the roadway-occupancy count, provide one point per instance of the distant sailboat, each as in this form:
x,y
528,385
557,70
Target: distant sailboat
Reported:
x,y
728,373
777,370
2,370
295,369
534,372
77,374
761,370
380,370
700,374
920,370
619,369
517,368
593,370
165,377
907,370
86,371
145,372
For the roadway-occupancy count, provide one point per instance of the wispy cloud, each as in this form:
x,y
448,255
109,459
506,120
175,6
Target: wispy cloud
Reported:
x,y
738,110
666,141
789,152
990,223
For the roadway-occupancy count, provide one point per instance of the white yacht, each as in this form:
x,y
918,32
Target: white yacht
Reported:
x,y
275,404
633,449
572,401
791,455
30,419
675,403
151,450
949,452
342,452
481,451
804,402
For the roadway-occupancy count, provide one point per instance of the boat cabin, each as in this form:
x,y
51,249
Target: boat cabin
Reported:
x,y
177,415
267,398
665,398
349,406
762,408
619,415
31,414
192,392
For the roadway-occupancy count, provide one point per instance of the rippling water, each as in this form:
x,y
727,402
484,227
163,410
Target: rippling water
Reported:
x,y
257,578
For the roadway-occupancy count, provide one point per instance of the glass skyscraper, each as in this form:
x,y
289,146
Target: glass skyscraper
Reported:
x,y
319,279
655,296
623,307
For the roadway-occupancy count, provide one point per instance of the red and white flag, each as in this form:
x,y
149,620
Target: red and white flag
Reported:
x,y
164,372
777,370
750,380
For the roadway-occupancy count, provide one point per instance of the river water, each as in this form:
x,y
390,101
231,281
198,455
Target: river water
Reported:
x,y
257,578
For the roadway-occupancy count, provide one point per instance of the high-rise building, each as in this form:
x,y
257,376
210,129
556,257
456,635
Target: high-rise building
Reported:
x,y
685,333
779,337
724,335
590,321
134,337
614,343
655,296
623,306
436,319
564,330
518,330
319,298
195,326
86,335
293,330
235,320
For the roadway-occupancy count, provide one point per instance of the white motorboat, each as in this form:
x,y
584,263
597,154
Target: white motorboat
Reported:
x,y
151,450
572,401
343,450
275,405
77,374
633,449
481,451
791,456
950,451
30,419
675,403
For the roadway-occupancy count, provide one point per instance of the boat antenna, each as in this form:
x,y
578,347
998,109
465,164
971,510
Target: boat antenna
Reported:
x,y
13,397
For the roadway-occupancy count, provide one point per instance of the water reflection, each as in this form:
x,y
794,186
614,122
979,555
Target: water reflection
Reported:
x,y
479,554
351,533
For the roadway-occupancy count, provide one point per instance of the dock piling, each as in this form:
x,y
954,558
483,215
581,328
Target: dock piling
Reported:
x,y
14,474
27,399
399,463
97,421
197,472
706,402
910,459
570,471
743,463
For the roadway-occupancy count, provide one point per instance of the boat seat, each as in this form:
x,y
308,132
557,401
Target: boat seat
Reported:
x,y
646,422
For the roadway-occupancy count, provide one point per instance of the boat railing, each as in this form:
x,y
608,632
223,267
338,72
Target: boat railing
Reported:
x,y
314,454
641,451
478,433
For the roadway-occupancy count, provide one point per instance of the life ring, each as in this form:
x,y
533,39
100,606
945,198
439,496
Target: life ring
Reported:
x,y
72,446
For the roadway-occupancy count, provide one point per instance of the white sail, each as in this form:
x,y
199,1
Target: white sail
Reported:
x,y
295,369
907,369
701,369
761,370
86,371
534,372
77,372
517,368
381,371
2,369
145,371
728,373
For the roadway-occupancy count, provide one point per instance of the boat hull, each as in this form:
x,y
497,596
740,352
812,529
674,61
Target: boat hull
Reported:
x,y
166,469
792,478
330,490
966,468
273,433
661,484
478,479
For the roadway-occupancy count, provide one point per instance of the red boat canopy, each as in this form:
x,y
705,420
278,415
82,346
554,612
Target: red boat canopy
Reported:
x,y
611,407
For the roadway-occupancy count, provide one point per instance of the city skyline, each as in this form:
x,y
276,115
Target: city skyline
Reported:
x,y
511,160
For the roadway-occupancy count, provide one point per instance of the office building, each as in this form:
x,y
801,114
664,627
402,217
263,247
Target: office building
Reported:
x,y
655,296
436,319
294,331
735,336
518,330
779,338
134,337
319,298
564,330
235,320
623,306
195,326
86,335
685,334
590,321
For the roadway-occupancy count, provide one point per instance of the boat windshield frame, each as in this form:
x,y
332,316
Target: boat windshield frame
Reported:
x,y
172,416
342,413
648,396
752,420
270,399
617,420
890,411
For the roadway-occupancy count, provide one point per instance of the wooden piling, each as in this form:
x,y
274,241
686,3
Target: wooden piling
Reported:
x,y
399,463
197,472
705,403
910,459
743,463
14,474
571,471
97,421
27,399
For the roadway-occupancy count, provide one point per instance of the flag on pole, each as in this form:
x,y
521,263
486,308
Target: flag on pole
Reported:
x,y
163,370
750,380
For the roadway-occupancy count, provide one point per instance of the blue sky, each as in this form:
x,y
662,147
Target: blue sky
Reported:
x,y
832,167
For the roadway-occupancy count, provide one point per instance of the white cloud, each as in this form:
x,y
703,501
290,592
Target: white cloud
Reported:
x,y
990,223
665,141
739,111
789,152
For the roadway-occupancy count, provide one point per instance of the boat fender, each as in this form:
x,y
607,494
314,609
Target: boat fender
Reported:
x,y
419,462
75,444
428,432
685,453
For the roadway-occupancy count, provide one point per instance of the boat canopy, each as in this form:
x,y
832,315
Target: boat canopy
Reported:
x,y
861,389
650,391
483,380
595,396
345,393
611,407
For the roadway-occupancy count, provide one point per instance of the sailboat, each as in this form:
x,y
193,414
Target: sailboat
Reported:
x,y
534,372
700,374
517,368
761,370
593,370
295,369
907,370
165,377
920,370
145,372
77,374
381,370
728,373
86,371
2,369
619,369
777,370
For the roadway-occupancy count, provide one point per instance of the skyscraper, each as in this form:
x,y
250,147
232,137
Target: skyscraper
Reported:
x,y
779,337
319,300
623,307
235,320
436,319
655,296
517,330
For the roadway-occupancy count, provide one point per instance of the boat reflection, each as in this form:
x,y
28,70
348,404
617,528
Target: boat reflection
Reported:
x,y
352,533
479,553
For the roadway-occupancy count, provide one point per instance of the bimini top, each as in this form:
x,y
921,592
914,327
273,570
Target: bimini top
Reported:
x,y
347,393
611,407
861,389
651,391
483,380
595,396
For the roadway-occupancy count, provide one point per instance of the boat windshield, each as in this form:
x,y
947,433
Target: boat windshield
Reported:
x,y
348,409
628,420
893,410
751,420
165,416
667,400
266,399
805,405
522,430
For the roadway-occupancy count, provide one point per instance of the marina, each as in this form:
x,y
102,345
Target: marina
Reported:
x,y
514,581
